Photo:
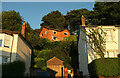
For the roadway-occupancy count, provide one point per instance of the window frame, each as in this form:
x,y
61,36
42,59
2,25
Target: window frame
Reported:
x,y
6,40
1,42
7,46
65,33
108,36
54,37
54,32
41,35
45,32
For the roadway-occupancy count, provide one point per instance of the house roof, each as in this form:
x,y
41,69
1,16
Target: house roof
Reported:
x,y
54,61
9,32
15,32
59,30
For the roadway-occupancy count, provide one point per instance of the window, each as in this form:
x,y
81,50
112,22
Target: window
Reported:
x,y
65,33
45,32
41,35
54,38
108,35
54,32
106,54
7,42
110,54
5,59
0,42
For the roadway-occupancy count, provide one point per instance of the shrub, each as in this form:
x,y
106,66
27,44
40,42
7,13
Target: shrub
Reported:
x,y
118,55
105,67
16,68
72,38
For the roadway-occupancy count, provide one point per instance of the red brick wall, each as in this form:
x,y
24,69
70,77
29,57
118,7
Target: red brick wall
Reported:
x,y
59,34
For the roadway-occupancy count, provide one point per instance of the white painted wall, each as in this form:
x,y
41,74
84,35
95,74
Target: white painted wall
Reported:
x,y
14,47
24,53
111,46
19,49
119,40
82,53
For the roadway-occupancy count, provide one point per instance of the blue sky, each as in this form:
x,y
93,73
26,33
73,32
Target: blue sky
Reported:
x,y
32,12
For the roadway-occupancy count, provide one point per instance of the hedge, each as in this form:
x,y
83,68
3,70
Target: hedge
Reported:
x,y
107,67
16,69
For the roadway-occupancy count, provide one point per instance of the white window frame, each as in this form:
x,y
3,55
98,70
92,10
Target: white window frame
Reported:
x,y
7,41
41,35
54,32
53,38
109,35
65,33
45,32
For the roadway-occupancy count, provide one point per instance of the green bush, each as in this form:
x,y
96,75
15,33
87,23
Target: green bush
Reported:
x,y
16,69
105,67
72,38
64,50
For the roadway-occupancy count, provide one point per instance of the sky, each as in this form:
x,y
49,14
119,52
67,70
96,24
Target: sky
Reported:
x,y
32,12
49,0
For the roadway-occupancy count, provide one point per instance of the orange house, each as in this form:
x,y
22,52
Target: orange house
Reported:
x,y
54,34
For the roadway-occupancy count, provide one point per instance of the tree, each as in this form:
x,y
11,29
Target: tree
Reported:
x,y
106,13
29,29
96,39
11,20
41,58
74,18
54,20
64,50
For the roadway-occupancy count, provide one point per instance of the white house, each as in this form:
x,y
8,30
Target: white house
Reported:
x,y
112,42
14,46
87,55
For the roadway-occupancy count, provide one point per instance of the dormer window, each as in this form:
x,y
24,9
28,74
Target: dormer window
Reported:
x,y
54,32
65,33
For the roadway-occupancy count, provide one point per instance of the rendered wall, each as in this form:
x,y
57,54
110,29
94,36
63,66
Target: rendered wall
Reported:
x,y
82,53
111,46
119,40
50,33
24,53
4,50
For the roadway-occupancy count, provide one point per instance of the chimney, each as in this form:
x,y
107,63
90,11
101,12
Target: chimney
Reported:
x,y
24,30
83,20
